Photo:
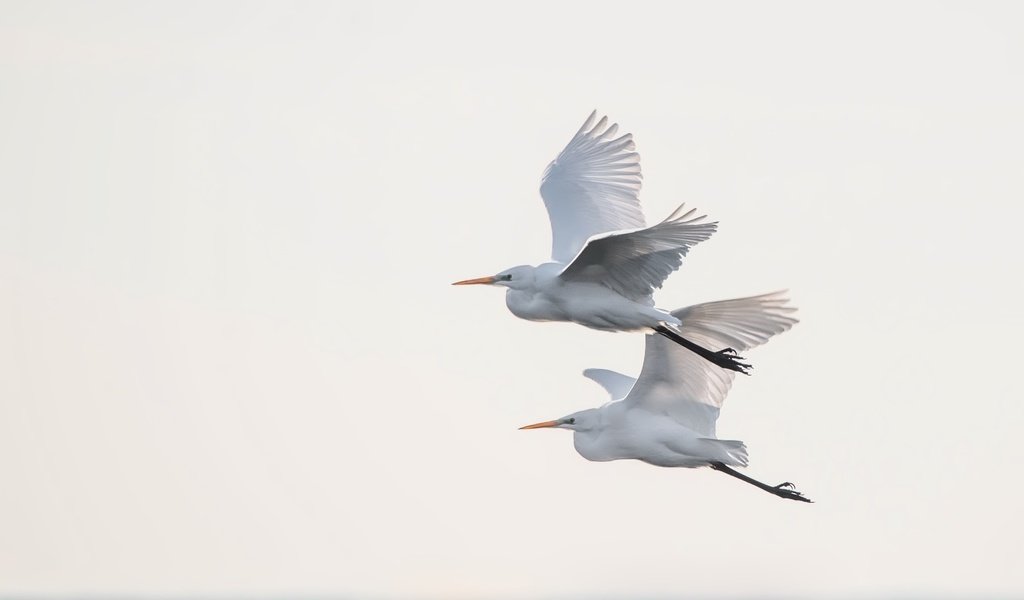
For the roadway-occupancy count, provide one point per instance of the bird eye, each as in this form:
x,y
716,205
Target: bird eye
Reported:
x,y
572,421
508,277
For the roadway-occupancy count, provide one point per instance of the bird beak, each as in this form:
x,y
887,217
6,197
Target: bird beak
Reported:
x,y
539,425
477,281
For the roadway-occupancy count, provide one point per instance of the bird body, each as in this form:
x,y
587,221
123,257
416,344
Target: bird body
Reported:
x,y
605,262
623,434
667,416
551,298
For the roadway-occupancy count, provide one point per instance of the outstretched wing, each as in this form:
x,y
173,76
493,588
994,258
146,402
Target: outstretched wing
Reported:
x,y
616,384
634,263
592,187
677,382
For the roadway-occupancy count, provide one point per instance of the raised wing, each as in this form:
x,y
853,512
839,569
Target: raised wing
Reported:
x,y
591,187
634,263
677,382
616,384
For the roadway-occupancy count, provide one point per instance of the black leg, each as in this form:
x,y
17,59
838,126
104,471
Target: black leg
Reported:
x,y
727,359
783,490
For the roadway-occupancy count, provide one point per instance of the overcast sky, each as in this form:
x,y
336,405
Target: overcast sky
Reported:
x,y
231,361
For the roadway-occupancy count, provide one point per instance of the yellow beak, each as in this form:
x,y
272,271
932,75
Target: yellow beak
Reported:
x,y
539,425
476,281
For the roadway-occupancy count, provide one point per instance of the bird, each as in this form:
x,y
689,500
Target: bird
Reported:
x,y
666,417
605,262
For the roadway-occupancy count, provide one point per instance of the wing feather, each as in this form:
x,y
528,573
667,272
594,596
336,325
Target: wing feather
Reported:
x,y
592,187
634,263
677,382
616,384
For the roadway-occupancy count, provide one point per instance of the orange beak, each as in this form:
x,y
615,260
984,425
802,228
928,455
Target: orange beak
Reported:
x,y
540,425
477,281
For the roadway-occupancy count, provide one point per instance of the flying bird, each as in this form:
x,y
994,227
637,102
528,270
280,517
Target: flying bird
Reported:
x,y
666,417
605,262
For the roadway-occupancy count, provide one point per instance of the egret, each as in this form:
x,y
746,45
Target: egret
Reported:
x,y
605,263
667,416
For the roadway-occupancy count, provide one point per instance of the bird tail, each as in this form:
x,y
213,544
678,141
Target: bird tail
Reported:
x,y
730,452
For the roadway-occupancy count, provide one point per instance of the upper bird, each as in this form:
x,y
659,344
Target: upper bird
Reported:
x,y
667,416
605,262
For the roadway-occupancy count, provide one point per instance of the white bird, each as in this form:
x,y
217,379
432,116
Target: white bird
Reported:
x,y
667,416
605,263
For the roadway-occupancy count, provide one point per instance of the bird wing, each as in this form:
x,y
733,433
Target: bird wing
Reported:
x,y
676,382
591,187
634,263
616,384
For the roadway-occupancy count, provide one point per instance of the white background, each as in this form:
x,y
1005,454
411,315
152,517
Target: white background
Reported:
x,y
231,361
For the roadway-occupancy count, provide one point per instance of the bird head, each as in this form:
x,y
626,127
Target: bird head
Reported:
x,y
583,420
516,278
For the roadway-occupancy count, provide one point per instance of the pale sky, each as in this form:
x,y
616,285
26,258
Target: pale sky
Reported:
x,y
231,361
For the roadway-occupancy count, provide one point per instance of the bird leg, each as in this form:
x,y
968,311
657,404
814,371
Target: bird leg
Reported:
x,y
783,490
727,359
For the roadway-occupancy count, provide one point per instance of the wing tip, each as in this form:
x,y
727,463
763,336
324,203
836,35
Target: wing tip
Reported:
x,y
681,216
602,131
587,124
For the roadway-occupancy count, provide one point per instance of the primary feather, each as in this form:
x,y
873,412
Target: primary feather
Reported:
x,y
634,263
592,187
676,382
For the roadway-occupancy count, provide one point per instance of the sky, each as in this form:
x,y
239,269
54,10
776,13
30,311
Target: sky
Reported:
x,y
231,362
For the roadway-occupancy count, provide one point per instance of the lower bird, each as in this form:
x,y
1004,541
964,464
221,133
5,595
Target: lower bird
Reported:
x,y
667,416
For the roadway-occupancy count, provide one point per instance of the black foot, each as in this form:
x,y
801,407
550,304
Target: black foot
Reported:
x,y
788,490
728,359
783,490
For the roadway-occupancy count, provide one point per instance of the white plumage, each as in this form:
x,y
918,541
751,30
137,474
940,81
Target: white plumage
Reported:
x,y
592,187
666,416
605,263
